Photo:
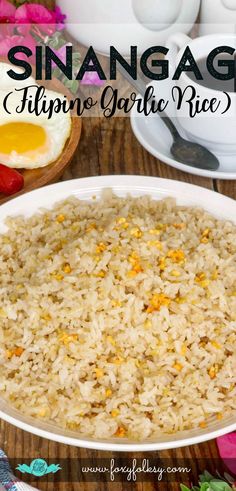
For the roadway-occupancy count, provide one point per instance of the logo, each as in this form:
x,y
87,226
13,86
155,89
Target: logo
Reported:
x,y
38,468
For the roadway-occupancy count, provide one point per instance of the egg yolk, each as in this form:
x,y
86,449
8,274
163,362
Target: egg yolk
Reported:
x,y
21,137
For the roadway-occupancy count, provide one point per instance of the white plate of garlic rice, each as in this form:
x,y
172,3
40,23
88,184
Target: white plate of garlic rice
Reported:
x,y
118,313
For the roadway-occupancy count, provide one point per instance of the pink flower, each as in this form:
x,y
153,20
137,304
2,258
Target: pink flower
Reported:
x,y
6,30
227,449
59,18
7,12
11,41
7,18
34,13
61,53
92,78
19,25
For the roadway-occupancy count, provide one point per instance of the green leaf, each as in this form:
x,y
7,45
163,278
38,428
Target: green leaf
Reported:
x,y
37,38
72,85
57,73
206,477
228,478
205,486
17,3
77,56
56,41
208,483
217,485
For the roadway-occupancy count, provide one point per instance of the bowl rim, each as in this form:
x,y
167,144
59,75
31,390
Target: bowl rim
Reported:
x,y
85,188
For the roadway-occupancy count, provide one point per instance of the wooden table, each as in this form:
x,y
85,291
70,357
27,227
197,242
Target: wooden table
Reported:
x,y
109,147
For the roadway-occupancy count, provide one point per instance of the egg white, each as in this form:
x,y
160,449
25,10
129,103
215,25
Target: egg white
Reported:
x,y
7,83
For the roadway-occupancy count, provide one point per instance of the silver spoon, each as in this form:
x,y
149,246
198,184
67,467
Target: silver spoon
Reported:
x,y
184,151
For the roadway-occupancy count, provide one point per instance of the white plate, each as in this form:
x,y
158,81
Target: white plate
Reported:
x,y
186,194
153,135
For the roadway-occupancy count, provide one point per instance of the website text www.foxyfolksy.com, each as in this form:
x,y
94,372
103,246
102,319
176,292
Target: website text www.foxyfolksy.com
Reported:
x,y
130,471
152,468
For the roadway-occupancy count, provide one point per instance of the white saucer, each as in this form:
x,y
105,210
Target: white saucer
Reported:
x,y
156,139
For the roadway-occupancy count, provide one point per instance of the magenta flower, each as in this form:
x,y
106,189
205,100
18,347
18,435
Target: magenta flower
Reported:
x,y
61,53
11,41
7,18
6,29
227,449
32,24
92,78
7,12
59,17
34,13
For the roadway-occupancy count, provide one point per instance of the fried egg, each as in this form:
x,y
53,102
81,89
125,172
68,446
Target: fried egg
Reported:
x,y
28,141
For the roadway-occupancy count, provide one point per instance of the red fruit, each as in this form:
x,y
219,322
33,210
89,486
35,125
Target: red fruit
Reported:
x,y
11,181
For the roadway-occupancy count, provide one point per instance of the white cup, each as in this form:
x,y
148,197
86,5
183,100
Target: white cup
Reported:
x,y
217,16
215,131
141,23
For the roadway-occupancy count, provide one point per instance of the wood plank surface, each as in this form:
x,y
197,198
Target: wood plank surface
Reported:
x,y
226,187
